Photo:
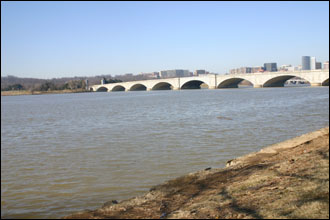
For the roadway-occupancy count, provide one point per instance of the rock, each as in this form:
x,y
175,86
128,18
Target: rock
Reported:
x,y
114,202
109,203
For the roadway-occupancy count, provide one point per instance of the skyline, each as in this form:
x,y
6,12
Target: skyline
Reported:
x,y
64,39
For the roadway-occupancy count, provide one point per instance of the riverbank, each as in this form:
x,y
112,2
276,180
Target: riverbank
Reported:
x,y
27,92
286,180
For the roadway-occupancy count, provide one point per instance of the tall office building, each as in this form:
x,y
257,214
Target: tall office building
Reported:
x,y
313,63
270,67
306,62
318,65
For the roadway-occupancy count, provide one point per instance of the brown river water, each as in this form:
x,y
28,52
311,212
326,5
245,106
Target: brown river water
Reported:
x,y
69,152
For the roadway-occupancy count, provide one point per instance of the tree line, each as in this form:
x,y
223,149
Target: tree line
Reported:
x,y
47,86
10,83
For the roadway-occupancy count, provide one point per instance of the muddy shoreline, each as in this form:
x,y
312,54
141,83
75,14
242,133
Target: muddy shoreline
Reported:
x,y
285,180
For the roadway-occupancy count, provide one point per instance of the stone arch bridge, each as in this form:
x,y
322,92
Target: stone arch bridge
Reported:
x,y
258,80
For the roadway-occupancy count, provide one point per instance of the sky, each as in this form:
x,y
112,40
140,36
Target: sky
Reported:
x,y
65,39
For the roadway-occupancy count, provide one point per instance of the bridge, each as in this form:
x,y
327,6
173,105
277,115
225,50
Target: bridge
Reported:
x,y
213,81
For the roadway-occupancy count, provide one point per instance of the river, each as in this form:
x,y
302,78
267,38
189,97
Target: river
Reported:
x,y
63,153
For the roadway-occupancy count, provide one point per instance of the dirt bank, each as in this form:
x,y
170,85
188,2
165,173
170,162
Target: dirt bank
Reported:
x,y
285,180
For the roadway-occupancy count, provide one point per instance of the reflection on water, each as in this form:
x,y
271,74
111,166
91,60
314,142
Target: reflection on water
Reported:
x,y
69,152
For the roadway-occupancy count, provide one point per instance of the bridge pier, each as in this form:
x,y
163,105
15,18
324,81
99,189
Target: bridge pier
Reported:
x,y
212,87
316,84
176,88
257,86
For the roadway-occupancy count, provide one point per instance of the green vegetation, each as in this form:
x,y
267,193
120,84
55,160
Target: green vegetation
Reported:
x,y
13,87
72,85
47,87
112,80
13,83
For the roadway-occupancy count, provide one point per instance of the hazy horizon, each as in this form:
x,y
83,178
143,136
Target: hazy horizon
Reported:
x,y
66,39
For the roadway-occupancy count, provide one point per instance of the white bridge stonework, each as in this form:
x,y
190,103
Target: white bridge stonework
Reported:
x,y
259,80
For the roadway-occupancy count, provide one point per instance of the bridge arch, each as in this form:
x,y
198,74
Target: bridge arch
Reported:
x,y
325,82
231,83
162,86
278,81
118,88
138,87
102,89
193,84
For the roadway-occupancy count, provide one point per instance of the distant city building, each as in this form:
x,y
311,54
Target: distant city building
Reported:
x,y
232,71
285,68
199,72
174,73
241,70
163,74
318,65
154,75
270,67
257,69
246,69
102,81
293,68
306,62
313,63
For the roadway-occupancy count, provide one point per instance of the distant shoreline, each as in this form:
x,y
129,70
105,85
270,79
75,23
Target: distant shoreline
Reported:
x,y
26,92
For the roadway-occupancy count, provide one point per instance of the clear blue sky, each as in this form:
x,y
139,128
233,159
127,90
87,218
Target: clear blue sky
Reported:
x,y
64,39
